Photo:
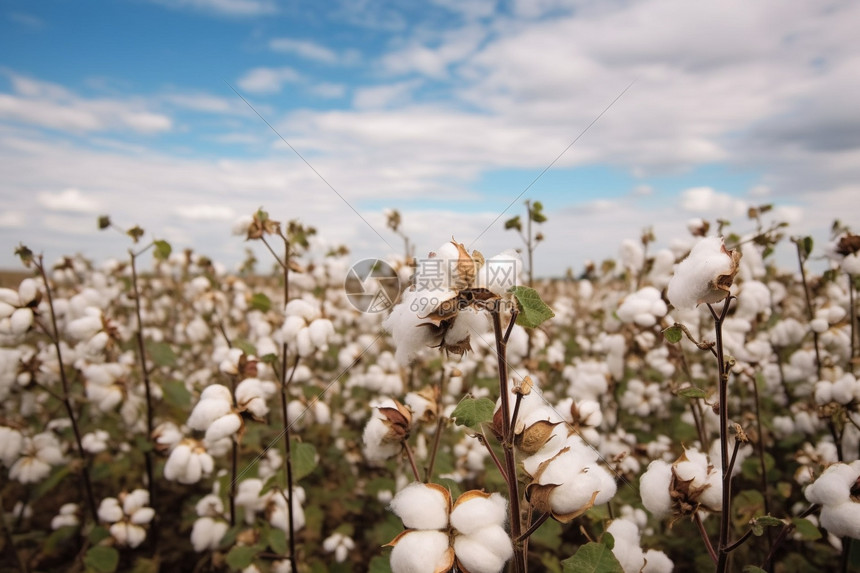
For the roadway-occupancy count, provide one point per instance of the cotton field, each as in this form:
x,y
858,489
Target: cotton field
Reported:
x,y
688,409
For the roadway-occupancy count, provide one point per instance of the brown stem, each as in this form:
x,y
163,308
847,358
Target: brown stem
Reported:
x,y
704,534
725,464
408,451
428,470
534,526
507,441
67,401
809,311
783,535
9,541
483,439
144,371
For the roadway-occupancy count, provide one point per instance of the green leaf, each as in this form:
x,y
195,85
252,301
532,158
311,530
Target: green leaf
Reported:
x,y
759,523
161,353
259,301
592,558
753,569
145,565
97,534
514,223
807,530
162,250
135,233
60,537
245,346
55,478
304,457
533,310
379,564
102,559
608,540
176,394
472,412
277,539
241,556
692,392
673,334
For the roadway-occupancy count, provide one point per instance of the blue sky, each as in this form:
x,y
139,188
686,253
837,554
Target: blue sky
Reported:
x,y
445,110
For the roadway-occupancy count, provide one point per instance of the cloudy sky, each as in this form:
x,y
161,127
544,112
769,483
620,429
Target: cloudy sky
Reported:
x,y
183,115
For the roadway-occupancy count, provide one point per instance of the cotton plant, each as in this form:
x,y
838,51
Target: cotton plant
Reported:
x,y
127,516
468,533
837,491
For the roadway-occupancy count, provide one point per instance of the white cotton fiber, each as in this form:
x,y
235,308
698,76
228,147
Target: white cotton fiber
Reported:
x,y
478,512
654,488
842,519
484,551
420,506
419,552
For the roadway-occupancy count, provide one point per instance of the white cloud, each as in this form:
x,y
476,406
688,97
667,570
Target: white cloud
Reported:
x,y
385,95
51,106
268,80
68,200
206,212
305,49
328,90
710,203
225,7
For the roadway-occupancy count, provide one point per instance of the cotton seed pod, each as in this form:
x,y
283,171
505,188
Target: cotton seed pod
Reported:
x,y
533,438
399,422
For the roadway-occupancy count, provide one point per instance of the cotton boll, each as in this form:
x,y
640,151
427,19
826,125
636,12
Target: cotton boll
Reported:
x,y
251,397
11,443
486,550
302,309
215,402
422,506
68,516
477,511
834,485
842,519
320,331
223,427
109,510
654,488
376,448
626,549
695,279
421,552
21,321
127,534
657,562
206,534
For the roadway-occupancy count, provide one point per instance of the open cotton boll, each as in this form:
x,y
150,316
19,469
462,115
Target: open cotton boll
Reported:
x,y
320,331
626,548
654,488
842,519
215,402
704,276
657,562
833,487
303,309
485,550
206,534
251,394
477,511
127,534
422,506
109,510
223,427
11,443
421,552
